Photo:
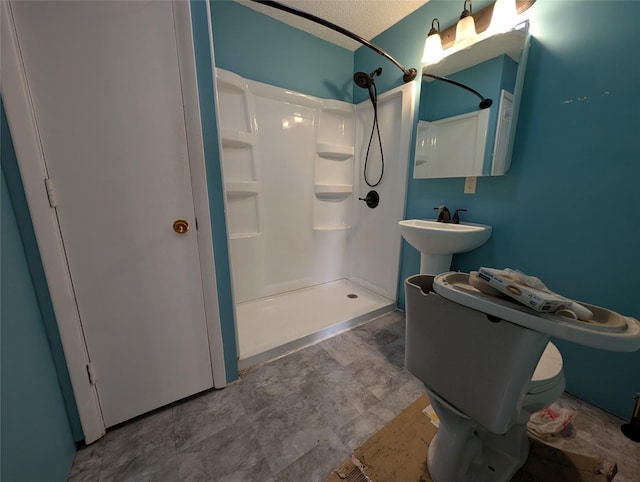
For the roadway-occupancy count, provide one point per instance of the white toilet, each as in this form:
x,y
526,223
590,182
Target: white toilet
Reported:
x,y
487,365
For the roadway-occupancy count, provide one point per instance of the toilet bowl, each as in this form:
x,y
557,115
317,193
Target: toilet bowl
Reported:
x,y
487,365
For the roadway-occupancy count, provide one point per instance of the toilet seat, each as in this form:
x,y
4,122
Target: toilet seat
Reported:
x,y
546,386
548,371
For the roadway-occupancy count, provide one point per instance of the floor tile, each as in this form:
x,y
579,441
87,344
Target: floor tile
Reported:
x,y
337,399
87,475
347,348
206,415
87,459
157,464
288,430
380,376
227,455
317,463
356,432
131,440
262,386
304,366
260,472
383,330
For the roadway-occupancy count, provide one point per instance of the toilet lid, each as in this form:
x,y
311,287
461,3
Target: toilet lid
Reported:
x,y
548,370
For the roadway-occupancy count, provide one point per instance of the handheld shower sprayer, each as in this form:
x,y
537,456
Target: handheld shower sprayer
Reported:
x,y
364,80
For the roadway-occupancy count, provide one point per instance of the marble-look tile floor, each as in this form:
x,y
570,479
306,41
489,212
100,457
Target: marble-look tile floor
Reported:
x,y
296,418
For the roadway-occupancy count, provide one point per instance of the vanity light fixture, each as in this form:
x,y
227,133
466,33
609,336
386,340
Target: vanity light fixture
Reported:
x,y
433,45
466,27
498,17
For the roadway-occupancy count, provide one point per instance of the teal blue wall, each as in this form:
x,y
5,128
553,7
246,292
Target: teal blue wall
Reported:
x,y
568,211
260,48
25,226
37,443
206,92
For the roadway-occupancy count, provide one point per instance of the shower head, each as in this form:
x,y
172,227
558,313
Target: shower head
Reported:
x,y
364,80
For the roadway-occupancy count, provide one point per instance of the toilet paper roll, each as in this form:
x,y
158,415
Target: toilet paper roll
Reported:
x,y
575,311
581,312
567,313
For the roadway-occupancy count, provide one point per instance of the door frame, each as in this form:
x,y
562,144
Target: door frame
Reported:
x,y
31,163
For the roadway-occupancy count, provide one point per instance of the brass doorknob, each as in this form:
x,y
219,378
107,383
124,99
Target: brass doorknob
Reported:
x,y
180,226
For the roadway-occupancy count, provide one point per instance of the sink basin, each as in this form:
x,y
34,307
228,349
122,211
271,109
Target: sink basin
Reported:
x,y
438,242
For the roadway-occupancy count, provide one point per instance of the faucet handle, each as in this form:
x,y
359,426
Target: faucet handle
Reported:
x,y
456,216
445,215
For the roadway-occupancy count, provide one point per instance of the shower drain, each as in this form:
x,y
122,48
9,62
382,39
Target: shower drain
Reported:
x,y
353,296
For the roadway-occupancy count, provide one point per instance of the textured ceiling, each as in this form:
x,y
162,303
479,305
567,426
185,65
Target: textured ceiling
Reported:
x,y
366,18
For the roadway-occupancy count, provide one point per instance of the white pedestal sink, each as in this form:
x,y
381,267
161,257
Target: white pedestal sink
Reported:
x,y
438,242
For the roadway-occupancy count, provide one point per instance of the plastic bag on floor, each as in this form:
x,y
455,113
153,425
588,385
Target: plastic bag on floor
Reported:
x,y
547,424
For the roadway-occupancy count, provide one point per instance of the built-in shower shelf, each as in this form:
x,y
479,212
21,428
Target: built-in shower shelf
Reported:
x,y
333,191
331,227
239,189
237,139
335,152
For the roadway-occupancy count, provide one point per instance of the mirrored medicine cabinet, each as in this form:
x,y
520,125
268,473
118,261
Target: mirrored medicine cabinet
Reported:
x,y
454,137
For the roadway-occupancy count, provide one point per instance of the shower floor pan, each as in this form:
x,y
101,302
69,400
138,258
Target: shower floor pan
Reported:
x,y
270,327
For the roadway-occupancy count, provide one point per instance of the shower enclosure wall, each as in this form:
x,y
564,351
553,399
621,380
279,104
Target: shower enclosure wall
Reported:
x,y
307,257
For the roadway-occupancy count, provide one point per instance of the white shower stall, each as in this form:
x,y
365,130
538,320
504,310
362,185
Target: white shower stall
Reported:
x,y
308,259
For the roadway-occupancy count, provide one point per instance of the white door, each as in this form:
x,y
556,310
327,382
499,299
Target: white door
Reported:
x,y
106,91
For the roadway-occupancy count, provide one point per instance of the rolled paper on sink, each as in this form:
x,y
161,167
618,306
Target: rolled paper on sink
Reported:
x,y
567,313
575,311
583,313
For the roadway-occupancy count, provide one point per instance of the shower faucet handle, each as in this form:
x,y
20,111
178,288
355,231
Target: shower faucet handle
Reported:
x,y
456,216
372,199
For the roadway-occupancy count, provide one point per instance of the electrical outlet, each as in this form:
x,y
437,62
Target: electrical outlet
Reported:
x,y
470,185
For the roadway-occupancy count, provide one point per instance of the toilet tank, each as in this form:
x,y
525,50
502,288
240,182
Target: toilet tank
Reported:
x,y
479,364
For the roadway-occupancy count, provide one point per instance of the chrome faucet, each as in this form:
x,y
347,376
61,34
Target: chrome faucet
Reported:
x,y
444,216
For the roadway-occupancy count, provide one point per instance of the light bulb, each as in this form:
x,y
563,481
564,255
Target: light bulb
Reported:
x,y
466,27
504,16
433,44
